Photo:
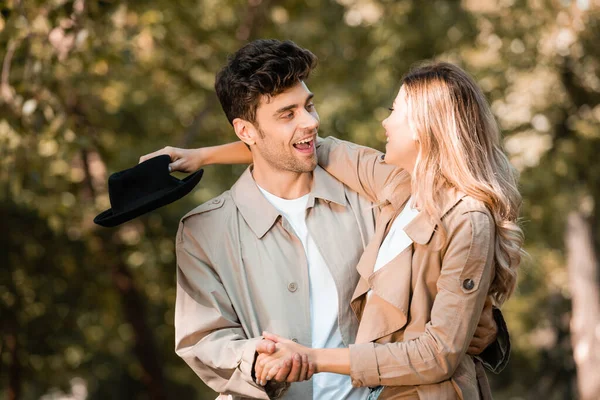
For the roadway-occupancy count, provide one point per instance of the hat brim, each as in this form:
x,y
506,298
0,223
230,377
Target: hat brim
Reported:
x,y
110,219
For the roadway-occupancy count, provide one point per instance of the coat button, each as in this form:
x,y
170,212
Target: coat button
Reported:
x,y
468,284
292,287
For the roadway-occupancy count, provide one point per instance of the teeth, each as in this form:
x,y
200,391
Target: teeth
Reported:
x,y
304,141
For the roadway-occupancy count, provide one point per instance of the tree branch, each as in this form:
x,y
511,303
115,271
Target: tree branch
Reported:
x,y
252,20
5,88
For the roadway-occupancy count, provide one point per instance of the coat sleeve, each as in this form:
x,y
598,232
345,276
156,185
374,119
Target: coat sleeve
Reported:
x,y
465,278
208,335
360,168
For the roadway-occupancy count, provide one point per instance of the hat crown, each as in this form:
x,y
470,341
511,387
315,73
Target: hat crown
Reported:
x,y
143,188
145,179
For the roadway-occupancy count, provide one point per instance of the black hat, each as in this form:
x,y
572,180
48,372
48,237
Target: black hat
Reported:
x,y
143,188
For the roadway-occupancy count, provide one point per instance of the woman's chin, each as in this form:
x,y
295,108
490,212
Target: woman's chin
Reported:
x,y
387,159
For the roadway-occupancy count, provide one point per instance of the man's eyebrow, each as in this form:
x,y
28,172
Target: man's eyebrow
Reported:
x,y
292,106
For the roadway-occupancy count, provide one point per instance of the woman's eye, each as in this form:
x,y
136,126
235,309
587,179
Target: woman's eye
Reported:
x,y
310,106
289,115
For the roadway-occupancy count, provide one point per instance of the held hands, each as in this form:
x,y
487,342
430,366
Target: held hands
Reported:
x,y
486,331
282,360
183,160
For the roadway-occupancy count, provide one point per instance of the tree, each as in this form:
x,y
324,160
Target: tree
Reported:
x,y
87,86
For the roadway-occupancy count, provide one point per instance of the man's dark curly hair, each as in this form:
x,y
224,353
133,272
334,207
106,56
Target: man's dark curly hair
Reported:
x,y
262,67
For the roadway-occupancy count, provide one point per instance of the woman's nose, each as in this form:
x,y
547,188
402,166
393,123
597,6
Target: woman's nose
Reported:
x,y
384,122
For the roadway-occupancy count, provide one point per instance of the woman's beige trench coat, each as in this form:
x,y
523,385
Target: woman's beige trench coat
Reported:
x,y
416,326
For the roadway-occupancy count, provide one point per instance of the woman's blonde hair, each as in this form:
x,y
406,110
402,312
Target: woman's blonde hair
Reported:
x,y
460,147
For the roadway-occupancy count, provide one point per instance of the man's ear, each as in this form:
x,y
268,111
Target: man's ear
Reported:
x,y
245,131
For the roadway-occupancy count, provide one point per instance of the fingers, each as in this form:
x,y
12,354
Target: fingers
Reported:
x,y
273,371
148,156
476,346
311,370
178,165
488,303
284,371
304,369
485,333
170,151
296,368
476,342
486,330
487,315
258,367
270,369
265,347
185,160
473,351
273,337
481,332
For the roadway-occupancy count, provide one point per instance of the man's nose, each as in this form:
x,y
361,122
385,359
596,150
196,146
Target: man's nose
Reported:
x,y
309,121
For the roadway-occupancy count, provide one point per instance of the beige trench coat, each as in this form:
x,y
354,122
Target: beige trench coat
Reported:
x,y
415,328
242,270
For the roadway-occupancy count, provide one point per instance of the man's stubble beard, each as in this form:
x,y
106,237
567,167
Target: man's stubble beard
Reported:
x,y
283,162
287,162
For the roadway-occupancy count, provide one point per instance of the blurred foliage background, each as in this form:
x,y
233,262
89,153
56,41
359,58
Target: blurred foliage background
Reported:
x,y
88,86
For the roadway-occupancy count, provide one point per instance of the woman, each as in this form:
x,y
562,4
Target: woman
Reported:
x,y
447,236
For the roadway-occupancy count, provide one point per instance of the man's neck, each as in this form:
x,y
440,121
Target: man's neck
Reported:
x,y
285,184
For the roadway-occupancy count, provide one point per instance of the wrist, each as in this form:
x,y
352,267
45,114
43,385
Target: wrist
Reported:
x,y
314,357
202,156
336,360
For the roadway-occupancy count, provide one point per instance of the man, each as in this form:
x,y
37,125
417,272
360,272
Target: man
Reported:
x,y
278,251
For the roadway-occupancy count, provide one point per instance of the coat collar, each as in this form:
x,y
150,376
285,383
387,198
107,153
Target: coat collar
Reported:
x,y
421,228
397,191
260,214
327,188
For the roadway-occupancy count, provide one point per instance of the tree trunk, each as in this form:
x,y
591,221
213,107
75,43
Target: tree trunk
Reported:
x,y
144,347
14,371
585,289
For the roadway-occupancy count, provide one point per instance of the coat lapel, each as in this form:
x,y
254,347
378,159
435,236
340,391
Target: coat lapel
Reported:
x,y
366,263
386,310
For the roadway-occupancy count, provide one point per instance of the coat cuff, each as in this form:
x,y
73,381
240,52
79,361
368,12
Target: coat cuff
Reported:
x,y
248,357
364,370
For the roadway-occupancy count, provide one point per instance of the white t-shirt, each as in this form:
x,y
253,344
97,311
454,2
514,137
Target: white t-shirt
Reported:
x,y
323,302
396,240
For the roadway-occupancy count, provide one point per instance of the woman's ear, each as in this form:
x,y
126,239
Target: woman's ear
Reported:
x,y
245,131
